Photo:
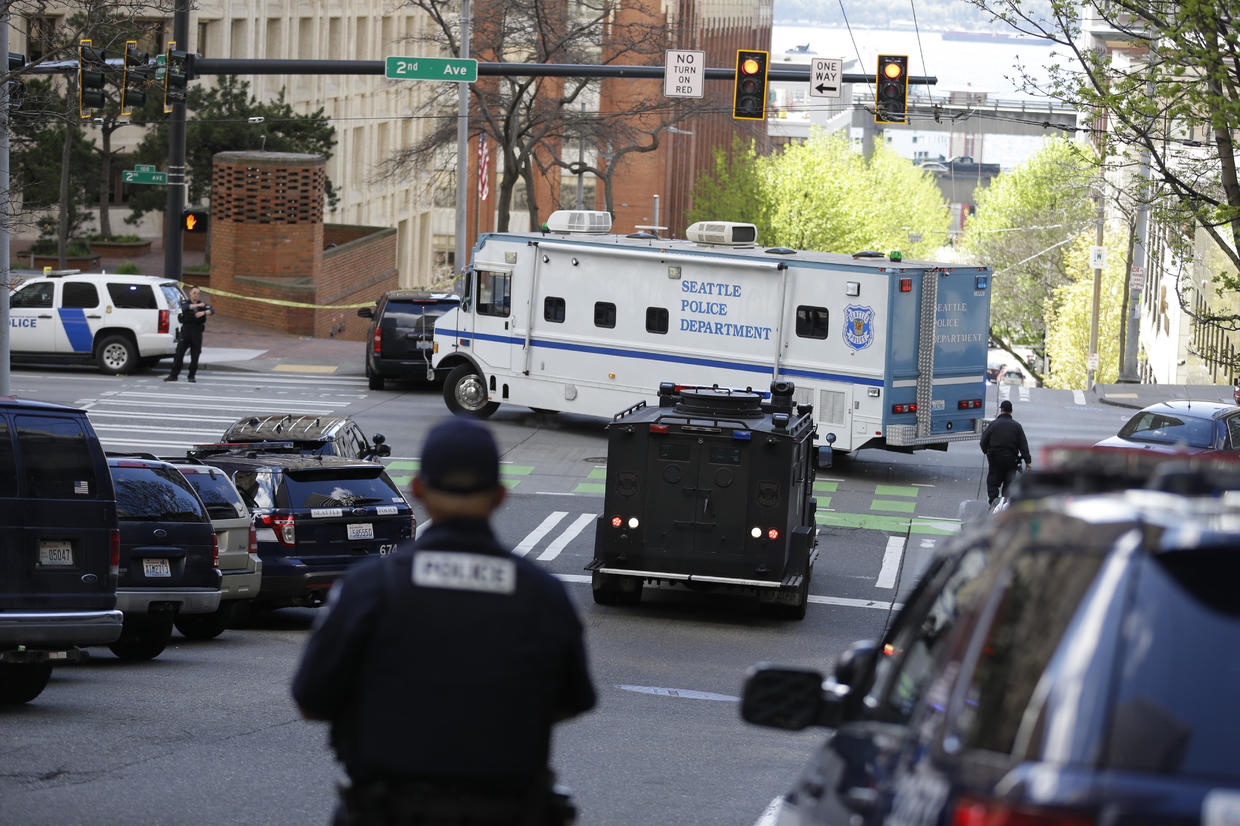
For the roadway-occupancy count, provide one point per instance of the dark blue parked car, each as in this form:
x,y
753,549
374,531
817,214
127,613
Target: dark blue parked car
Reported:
x,y
314,518
1070,661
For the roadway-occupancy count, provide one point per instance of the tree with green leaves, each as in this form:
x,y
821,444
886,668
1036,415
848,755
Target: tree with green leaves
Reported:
x,y
1166,85
218,121
1025,226
1068,312
824,195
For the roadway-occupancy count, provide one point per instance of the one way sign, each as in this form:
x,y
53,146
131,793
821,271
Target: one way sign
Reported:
x,y
824,77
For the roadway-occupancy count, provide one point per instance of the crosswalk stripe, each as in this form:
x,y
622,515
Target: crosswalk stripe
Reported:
x,y
891,562
570,533
535,536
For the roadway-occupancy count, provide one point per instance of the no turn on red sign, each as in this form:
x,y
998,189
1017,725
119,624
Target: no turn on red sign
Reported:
x,y
684,74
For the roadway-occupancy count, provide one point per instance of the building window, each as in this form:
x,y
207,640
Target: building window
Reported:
x,y
553,309
656,320
604,314
812,322
40,37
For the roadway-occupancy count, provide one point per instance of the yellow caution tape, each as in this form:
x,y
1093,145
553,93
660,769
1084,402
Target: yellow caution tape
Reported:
x,y
279,301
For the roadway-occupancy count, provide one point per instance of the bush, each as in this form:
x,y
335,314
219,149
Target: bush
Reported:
x,y
47,246
116,239
128,268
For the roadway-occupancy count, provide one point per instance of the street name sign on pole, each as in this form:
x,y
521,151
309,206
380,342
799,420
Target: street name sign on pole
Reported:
x,y
460,69
144,174
684,74
824,77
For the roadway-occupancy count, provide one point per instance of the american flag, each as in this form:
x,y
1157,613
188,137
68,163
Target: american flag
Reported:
x,y
484,185
81,488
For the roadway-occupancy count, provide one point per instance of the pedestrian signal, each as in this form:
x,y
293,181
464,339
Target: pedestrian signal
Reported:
x,y
194,220
891,89
749,89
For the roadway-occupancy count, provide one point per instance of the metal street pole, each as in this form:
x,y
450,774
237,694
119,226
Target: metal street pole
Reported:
x,y
175,202
462,147
1128,369
1091,368
6,215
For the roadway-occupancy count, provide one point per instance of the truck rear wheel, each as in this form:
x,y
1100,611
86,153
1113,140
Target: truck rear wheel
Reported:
x,y
205,626
117,354
142,637
465,393
791,605
610,589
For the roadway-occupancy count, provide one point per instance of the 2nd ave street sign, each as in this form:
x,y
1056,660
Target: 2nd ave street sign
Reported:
x,y
144,174
463,69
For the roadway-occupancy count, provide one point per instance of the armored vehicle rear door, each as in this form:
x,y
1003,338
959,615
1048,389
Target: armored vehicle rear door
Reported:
x,y
698,493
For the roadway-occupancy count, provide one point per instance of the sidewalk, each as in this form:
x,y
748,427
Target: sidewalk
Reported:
x,y
1137,396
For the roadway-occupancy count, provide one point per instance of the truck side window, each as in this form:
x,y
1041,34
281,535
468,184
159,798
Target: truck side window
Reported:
x,y
132,296
656,320
553,309
32,295
604,314
812,322
494,293
79,294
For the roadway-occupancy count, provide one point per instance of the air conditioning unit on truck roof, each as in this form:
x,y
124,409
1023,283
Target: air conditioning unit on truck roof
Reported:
x,y
722,233
579,220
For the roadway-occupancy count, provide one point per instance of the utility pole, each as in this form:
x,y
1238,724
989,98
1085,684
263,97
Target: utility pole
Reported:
x,y
462,147
6,214
176,157
1139,273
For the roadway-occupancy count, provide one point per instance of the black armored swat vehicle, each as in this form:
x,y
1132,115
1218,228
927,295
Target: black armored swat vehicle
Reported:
x,y
711,489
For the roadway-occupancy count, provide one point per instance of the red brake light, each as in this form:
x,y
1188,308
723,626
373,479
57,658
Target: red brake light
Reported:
x,y
215,550
772,533
283,527
658,428
969,404
906,285
377,346
970,811
904,408
616,521
164,322
253,546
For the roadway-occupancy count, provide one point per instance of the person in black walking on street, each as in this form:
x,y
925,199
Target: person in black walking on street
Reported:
x,y
193,317
443,667
1005,446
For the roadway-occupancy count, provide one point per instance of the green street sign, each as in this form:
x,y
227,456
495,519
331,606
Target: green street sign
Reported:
x,y
462,69
144,175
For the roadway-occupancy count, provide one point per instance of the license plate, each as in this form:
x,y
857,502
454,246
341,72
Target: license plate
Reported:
x,y
425,345
361,530
55,552
156,567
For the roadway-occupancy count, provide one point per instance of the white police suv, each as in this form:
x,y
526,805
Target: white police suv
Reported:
x,y
121,322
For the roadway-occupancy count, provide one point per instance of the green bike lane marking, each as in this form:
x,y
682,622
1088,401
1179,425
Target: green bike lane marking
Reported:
x,y
890,524
507,472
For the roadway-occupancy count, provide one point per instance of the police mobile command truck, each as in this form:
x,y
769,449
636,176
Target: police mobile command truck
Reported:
x,y
120,322
889,353
713,488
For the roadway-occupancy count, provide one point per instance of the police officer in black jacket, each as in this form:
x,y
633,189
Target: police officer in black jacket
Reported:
x,y
194,312
1005,446
443,667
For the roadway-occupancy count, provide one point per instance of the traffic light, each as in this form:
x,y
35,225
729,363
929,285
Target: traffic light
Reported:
x,y
194,220
891,89
92,65
133,82
175,76
749,89
17,88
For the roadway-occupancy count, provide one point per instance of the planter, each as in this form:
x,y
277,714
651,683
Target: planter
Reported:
x,y
120,249
85,263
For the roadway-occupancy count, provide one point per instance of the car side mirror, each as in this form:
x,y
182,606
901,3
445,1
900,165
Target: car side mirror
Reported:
x,y
789,698
826,453
856,665
383,450
366,312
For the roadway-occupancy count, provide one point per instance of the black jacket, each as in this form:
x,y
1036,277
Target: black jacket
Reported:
x,y
448,660
1004,439
189,318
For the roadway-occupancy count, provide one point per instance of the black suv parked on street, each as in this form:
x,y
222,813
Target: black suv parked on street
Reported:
x,y
1068,661
315,516
58,544
299,433
169,559
401,338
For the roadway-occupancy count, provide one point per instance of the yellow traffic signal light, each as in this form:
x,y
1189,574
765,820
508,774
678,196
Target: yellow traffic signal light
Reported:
x,y
92,63
749,86
133,80
194,221
891,89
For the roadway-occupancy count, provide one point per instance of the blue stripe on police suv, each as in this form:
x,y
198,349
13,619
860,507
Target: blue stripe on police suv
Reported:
x,y
78,331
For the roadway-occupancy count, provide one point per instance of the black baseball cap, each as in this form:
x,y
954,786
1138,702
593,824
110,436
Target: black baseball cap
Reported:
x,y
1005,406
460,456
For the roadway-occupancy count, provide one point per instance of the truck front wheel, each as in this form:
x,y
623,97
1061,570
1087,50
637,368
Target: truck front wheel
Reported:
x,y
465,393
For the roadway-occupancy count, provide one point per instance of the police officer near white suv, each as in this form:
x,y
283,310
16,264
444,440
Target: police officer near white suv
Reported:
x,y
443,667
194,312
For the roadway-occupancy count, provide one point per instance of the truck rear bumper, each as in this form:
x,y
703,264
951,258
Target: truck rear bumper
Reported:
x,y
703,578
59,629
905,435
186,600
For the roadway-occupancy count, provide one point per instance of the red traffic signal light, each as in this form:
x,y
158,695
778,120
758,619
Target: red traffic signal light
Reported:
x,y
891,89
749,87
194,221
